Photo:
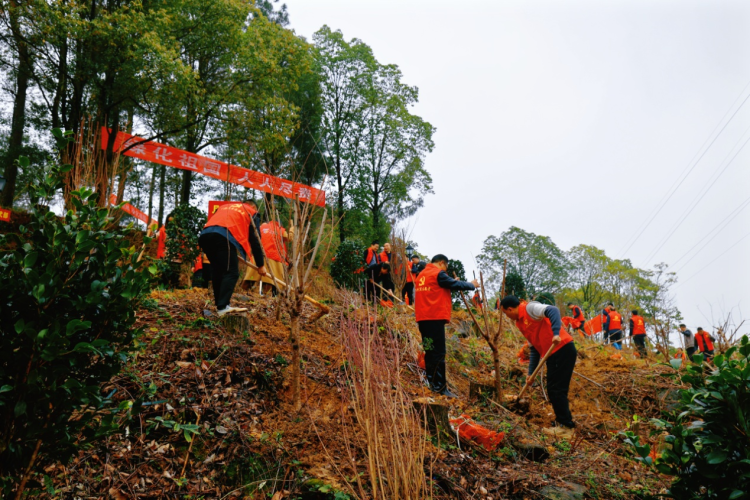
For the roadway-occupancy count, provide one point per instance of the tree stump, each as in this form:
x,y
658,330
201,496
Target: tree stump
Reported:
x,y
237,324
435,415
479,390
531,450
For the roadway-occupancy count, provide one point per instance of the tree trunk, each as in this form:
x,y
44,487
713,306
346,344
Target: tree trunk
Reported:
x,y
151,186
187,177
62,74
162,181
15,142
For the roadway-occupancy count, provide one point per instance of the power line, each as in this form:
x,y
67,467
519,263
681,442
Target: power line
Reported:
x,y
692,206
720,227
714,260
684,175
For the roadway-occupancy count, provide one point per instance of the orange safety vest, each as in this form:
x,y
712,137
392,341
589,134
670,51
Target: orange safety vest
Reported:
x,y
370,255
271,237
198,264
639,327
432,302
578,317
704,342
615,320
539,332
161,243
237,218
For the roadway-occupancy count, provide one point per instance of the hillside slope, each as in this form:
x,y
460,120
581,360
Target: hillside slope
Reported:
x,y
217,419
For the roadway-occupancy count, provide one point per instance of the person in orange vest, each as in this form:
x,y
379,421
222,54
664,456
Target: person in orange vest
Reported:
x,y
161,238
476,299
433,307
613,326
274,239
578,318
385,255
407,293
705,343
542,326
372,270
638,332
230,231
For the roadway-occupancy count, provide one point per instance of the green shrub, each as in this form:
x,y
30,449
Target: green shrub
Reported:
x,y
347,265
182,245
708,444
69,288
514,285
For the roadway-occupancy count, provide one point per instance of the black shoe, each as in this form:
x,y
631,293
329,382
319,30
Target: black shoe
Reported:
x,y
568,425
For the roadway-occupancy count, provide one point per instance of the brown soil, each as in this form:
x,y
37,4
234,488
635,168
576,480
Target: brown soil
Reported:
x,y
252,444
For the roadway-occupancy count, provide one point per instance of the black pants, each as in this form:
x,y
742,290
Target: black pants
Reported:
x,y
387,283
408,291
559,372
614,337
640,344
225,269
433,341
690,351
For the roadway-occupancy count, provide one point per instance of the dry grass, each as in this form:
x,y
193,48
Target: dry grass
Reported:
x,y
387,440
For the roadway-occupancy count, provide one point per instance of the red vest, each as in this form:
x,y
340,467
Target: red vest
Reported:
x,y
370,255
639,327
384,257
271,237
161,243
539,332
237,218
704,343
431,302
198,264
615,320
578,318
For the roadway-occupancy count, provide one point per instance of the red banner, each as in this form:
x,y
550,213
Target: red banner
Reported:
x,y
130,209
4,215
177,158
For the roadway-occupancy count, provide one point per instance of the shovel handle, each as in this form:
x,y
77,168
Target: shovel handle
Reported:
x,y
538,369
312,301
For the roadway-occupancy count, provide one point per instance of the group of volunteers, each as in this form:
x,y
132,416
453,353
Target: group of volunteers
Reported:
x,y
379,283
234,231
540,324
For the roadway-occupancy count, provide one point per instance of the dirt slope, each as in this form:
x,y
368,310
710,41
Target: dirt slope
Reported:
x,y
246,440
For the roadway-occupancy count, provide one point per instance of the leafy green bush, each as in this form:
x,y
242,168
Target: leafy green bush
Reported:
x,y
514,285
708,444
183,232
348,263
182,245
69,288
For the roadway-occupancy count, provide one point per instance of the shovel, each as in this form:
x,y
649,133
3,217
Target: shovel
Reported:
x,y
517,400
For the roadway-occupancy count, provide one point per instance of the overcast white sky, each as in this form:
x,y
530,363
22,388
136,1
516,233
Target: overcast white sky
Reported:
x,y
574,119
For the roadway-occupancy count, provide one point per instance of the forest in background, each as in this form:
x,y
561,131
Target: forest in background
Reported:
x,y
228,80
